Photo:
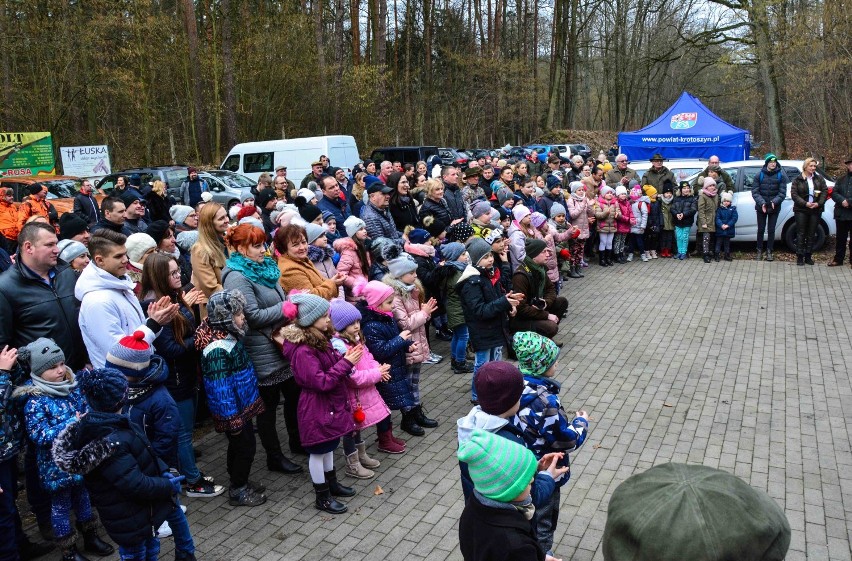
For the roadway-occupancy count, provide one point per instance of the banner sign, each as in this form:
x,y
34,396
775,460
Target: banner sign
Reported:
x,y
26,153
85,161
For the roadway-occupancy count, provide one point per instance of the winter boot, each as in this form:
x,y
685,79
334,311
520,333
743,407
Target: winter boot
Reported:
x,y
608,256
388,444
92,543
574,272
579,270
622,259
71,554
759,256
808,260
769,256
421,418
409,424
68,546
325,501
337,490
707,258
602,259
800,260
716,256
355,469
366,460
461,366
728,256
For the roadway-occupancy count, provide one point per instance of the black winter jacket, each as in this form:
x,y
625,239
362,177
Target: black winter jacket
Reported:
x,y
86,207
30,309
121,472
843,192
486,311
768,188
439,210
799,194
494,534
181,357
688,206
403,214
455,202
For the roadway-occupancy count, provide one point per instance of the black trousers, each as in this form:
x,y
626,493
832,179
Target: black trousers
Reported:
x,y
267,428
806,225
844,228
762,220
241,449
543,327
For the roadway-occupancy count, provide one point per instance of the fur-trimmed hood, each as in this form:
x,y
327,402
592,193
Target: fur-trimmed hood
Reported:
x,y
73,456
344,244
399,287
294,334
469,271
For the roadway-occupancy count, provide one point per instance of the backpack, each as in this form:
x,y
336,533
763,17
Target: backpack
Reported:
x,y
760,177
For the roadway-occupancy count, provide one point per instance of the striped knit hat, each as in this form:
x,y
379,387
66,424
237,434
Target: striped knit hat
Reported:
x,y
536,353
131,355
499,468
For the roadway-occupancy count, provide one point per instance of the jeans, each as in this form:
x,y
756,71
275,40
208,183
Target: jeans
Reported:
x,y
636,241
545,520
241,449
458,345
61,503
761,227
488,355
10,520
682,237
186,455
806,225
180,532
723,244
149,550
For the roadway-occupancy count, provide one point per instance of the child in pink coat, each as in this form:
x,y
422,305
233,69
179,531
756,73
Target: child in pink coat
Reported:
x,y
368,407
551,237
623,221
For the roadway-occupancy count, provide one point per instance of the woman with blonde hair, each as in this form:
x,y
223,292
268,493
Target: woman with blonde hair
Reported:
x,y
209,252
158,202
434,203
809,193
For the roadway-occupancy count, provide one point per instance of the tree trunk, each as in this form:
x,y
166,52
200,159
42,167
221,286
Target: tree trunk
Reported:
x,y
768,77
355,30
5,72
228,77
199,113
316,6
381,32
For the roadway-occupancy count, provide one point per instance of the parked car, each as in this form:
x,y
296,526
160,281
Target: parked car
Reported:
x,y
172,176
61,189
404,154
224,185
681,168
743,173
544,150
453,157
581,150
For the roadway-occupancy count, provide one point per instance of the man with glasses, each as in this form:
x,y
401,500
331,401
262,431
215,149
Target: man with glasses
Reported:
x,y
85,204
280,182
621,174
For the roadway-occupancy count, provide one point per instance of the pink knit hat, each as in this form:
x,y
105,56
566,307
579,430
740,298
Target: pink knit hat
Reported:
x,y
520,212
374,292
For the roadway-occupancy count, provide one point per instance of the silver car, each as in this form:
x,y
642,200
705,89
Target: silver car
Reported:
x,y
224,185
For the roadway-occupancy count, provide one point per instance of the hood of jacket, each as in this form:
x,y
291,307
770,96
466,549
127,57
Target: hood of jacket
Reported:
x,y
94,278
78,452
343,244
420,249
478,419
469,271
155,376
400,289
294,336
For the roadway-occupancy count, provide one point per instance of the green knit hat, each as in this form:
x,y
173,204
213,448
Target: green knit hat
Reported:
x,y
536,353
500,469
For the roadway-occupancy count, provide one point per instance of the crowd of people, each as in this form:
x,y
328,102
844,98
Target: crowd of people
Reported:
x,y
118,318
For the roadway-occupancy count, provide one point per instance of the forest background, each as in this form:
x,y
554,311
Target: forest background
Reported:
x,y
190,78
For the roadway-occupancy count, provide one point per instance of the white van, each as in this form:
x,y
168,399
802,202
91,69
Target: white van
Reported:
x,y
253,158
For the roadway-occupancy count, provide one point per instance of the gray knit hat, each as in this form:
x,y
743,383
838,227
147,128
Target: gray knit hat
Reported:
x,y
309,308
352,225
556,209
69,250
187,239
179,213
313,231
44,354
477,248
221,309
246,194
401,265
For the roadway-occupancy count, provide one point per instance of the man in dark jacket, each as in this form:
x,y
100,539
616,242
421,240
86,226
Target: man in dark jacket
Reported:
x,y
191,189
85,204
376,215
331,200
541,309
453,195
842,196
716,164
113,217
768,189
621,174
658,174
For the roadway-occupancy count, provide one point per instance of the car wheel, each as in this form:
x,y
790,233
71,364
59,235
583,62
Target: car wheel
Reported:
x,y
791,234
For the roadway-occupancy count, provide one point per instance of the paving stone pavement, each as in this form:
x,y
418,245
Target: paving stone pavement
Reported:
x,y
740,366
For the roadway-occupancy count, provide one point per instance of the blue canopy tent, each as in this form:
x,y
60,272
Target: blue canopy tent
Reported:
x,y
687,130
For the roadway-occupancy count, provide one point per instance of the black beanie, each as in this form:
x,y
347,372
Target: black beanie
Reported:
x,y
309,212
263,198
71,225
159,230
534,246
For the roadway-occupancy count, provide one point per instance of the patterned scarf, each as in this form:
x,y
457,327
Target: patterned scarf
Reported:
x,y
265,273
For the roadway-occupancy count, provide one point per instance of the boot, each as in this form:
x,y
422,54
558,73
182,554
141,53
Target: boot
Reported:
x,y
728,256
461,366
800,260
409,424
608,257
355,469
281,464
393,437
602,259
71,554
366,460
92,543
621,258
808,260
388,444
337,490
579,271
422,419
325,501
769,255
573,272
759,255
716,256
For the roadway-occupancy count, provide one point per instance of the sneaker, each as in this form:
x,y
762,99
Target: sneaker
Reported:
x,y
245,496
204,488
583,264
433,359
164,531
644,257
630,257
183,508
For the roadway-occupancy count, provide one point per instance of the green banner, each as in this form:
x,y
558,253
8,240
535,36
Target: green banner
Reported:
x,y
26,153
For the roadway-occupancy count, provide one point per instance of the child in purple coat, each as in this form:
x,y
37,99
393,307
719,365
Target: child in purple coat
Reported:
x,y
324,412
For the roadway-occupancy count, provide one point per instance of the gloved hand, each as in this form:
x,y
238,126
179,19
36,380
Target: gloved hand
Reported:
x,y
174,480
564,254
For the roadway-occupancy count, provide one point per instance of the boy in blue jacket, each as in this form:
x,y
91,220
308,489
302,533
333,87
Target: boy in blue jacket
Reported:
x,y
726,221
545,425
152,409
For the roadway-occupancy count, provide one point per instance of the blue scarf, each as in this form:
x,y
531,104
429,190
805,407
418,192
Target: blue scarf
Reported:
x,y
265,273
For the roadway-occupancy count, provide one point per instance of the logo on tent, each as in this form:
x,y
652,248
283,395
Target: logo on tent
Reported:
x,y
684,120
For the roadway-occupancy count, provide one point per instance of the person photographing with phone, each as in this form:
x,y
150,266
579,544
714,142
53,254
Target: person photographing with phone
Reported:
x,y
540,309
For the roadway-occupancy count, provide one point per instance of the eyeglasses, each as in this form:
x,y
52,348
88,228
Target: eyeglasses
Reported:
x,y
174,274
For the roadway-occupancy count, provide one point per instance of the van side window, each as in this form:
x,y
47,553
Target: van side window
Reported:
x,y
256,163
232,163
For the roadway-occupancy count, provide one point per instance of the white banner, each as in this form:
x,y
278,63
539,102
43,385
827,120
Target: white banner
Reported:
x,y
85,161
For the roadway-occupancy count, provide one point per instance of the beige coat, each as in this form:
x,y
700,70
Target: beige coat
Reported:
x,y
408,316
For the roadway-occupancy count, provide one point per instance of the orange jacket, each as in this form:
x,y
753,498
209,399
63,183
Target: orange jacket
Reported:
x,y
31,207
8,220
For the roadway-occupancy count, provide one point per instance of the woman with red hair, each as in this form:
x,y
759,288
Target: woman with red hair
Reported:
x,y
250,271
